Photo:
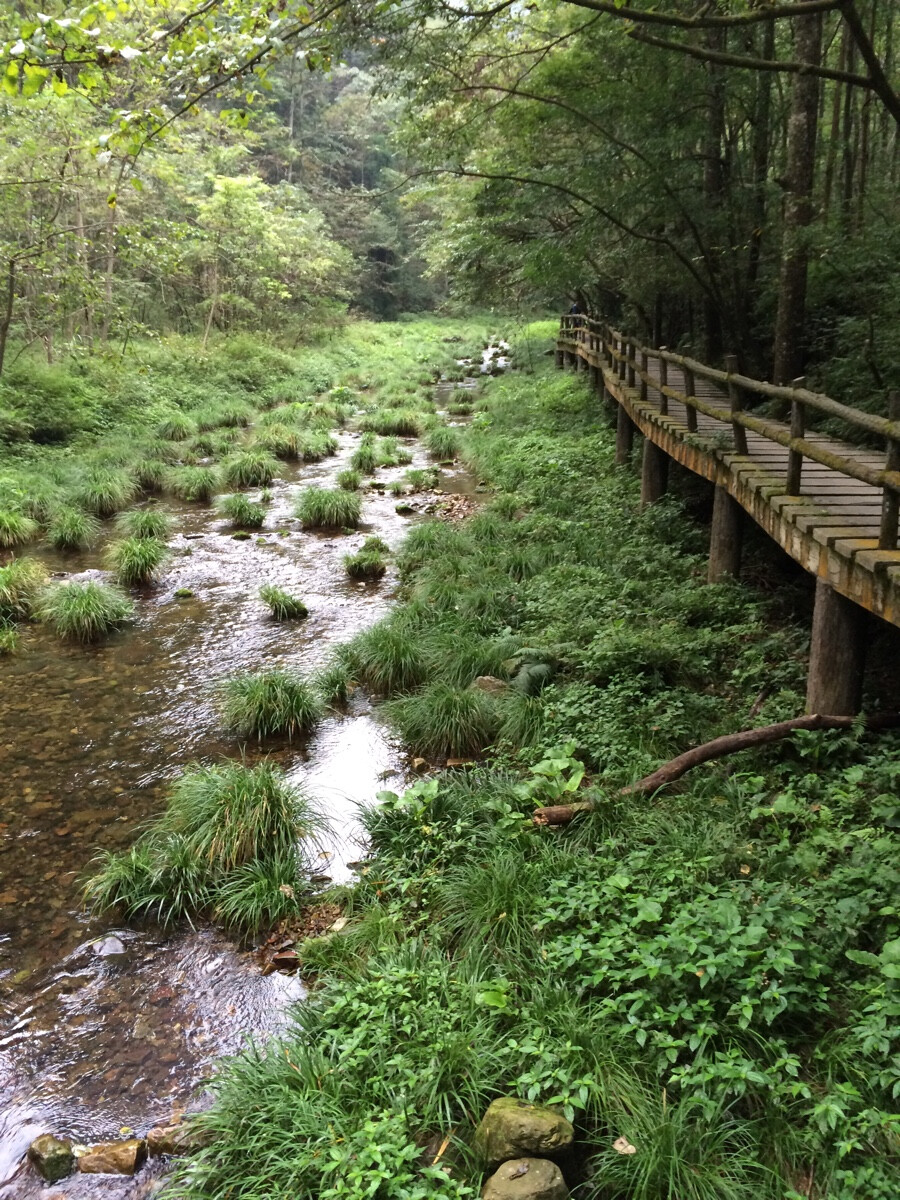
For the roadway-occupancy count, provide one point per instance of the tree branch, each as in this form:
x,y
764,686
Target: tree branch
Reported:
x,y
878,80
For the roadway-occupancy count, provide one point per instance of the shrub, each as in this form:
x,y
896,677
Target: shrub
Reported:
x,y
349,479
328,508
176,428
106,492
15,529
234,841
194,484
144,523
241,512
443,720
249,468
443,442
83,612
268,703
135,560
21,583
284,606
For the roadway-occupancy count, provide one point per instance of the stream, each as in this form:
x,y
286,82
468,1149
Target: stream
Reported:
x,y
107,1029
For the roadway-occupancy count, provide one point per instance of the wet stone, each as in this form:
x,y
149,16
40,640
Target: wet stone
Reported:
x,y
526,1179
52,1157
114,1158
109,947
512,1127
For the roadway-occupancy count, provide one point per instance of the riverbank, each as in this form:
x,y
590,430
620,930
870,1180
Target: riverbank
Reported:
x,y
704,982
105,1025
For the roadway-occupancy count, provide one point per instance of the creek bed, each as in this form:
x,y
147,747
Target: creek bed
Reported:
x,y
97,1039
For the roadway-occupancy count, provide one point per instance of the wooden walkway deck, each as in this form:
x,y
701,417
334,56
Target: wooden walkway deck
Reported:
x,y
828,503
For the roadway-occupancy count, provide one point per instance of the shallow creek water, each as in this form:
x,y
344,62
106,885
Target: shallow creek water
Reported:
x,y
92,1043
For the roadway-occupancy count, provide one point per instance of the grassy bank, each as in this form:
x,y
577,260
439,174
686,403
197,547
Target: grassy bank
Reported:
x,y
710,974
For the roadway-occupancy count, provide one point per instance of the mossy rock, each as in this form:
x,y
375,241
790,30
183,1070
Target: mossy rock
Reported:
x,y
183,594
53,1158
513,1128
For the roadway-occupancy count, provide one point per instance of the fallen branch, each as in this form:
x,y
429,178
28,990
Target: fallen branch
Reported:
x,y
729,743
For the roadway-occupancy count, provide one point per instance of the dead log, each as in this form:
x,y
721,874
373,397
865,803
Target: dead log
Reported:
x,y
729,743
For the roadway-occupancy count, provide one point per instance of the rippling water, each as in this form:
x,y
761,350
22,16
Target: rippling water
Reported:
x,y
93,1042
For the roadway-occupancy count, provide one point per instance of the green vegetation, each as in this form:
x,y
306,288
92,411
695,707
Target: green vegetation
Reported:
x,y
21,584
235,843
396,422
106,492
144,523
136,560
422,479
249,468
284,607
442,442
370,561
15,529
175,428
328,508
241,512
349,479
195,484
364,458
83,612
9,639
268,703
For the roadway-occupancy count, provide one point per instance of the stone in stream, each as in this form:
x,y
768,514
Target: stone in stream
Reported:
x,y
53,1158
109,947
526,1179
512,1127
114,1158
177,1138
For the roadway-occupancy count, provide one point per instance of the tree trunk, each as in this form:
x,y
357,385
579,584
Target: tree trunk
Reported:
x,y
790,320
109,270
713,189
8,311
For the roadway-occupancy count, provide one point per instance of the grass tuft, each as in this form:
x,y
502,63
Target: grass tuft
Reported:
x,y
249,468
83,612
270,702
106,492
21,584
176,428
443,442
328,508
15,529
446,721
349,479
136,560
284,606
144,523
241,512
389,658
194,484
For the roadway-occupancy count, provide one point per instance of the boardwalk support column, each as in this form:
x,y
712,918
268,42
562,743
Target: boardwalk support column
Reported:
x,y
654,473
560,359
725,537
624,436
837,654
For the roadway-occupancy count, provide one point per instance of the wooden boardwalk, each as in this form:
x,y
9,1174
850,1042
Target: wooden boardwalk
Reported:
x,y
830,504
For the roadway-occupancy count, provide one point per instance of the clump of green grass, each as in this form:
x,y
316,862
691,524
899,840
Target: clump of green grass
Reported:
x,y
136,560
459,408
443,720
150,474
370,562
83,612
284,606
9,638
15,529
391,454
442,442
397,487
231,416
241,512
144,523
176,428
280,440
396,422
270,702
316,446
349,479
328,508
194,484
21,584
235,843
365,457
422,479
250,468
106,492
388,657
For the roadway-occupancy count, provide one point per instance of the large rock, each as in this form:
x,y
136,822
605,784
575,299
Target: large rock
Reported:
x,y
491,685
53,1158
114,1158
176,1138
526,1179
513,1128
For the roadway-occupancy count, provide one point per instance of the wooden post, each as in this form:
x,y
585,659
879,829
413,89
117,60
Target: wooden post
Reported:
x,y
837,654
726,537
890,499
644,363
654,473
663,382
624,436
737,405
795,458
629,373
622,363
689,391
560,359
596,379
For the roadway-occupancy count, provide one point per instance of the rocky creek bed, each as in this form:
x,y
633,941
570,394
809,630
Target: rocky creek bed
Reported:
x,y
106,1031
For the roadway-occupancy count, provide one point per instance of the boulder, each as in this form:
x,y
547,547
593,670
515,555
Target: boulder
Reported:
x,y
109,947
169,1139
526,1179
114,1158
490,684
512,1128
53,1158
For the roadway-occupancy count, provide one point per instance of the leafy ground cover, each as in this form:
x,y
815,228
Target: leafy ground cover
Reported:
x,y
710,974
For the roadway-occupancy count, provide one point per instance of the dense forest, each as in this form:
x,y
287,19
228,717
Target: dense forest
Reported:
x,y
373,824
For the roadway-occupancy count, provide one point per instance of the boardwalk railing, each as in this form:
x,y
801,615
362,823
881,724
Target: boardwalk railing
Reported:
x,y
630,361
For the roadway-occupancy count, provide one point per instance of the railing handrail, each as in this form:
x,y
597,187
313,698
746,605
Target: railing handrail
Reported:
x,y
631,359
